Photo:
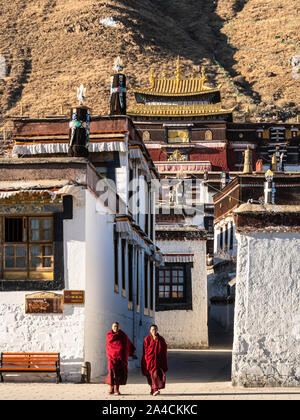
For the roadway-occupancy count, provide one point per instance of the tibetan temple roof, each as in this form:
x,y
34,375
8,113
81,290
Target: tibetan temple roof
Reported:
x,y
177,97
176,86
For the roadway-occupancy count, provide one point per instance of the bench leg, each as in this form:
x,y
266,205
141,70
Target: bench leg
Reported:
x,y
2,379
58,378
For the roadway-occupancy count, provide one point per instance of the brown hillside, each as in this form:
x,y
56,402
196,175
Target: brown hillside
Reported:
x,y
51,47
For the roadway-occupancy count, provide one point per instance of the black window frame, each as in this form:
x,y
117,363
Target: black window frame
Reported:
x,y
184,303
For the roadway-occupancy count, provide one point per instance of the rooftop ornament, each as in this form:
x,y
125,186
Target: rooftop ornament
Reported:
x,y
176,156
269,175
178,69
118,65
81,94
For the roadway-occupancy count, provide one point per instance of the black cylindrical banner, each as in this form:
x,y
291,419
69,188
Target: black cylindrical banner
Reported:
x,y
118,94
79,132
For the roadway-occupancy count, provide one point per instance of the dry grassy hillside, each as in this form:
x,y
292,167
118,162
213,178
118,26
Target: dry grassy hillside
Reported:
x,y
51,46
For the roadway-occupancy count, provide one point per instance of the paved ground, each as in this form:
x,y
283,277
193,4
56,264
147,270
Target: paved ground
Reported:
x,y
198,375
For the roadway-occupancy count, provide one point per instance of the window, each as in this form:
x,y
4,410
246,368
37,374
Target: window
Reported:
x,y
231,236
123,250
146,284
130,275
178,136
27,244
101,168
173,287
151,286
14,229
137,281
209,223
221,239
171,283
239,157
116,261
226,238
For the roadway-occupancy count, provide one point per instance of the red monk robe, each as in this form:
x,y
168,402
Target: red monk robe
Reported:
x,y
154,362
118,349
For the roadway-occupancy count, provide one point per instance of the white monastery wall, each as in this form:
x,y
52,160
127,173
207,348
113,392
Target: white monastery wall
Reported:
x,y
103,305
267,313
187,328
63,333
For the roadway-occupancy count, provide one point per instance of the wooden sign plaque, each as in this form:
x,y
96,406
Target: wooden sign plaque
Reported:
x,y
44,303
74,297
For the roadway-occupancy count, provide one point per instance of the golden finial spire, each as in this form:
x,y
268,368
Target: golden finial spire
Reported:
x,y
247,161
203,74
178,69
151,76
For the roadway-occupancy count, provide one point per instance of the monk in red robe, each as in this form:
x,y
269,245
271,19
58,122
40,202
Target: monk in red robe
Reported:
x,y
154,361
118,349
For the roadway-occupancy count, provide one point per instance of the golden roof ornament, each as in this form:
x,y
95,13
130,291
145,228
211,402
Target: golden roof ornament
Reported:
x,y
176,156
178,87
118,65
178,69
151,76
269,175
203,74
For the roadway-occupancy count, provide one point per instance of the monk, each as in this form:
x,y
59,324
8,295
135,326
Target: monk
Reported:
x,y
154,361
118,349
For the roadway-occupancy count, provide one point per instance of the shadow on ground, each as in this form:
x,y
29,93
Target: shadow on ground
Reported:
x,y
192,366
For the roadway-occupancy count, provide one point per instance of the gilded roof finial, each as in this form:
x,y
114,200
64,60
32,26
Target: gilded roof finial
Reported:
x,y
178,69
118,65
203,75
151,76
176,156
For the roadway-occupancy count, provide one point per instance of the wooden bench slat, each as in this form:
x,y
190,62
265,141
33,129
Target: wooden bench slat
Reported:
x,y
27,364
30,354
29,360
26,369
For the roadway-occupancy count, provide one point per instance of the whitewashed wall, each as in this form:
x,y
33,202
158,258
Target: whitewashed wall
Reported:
x,y
79,333
64,333
267,311
103,305
187,328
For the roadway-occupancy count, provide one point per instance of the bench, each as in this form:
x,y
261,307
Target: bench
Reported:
x,y
30,362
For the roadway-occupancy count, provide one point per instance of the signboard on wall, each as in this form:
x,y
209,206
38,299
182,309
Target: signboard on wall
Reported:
x,y
44,303
74,297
